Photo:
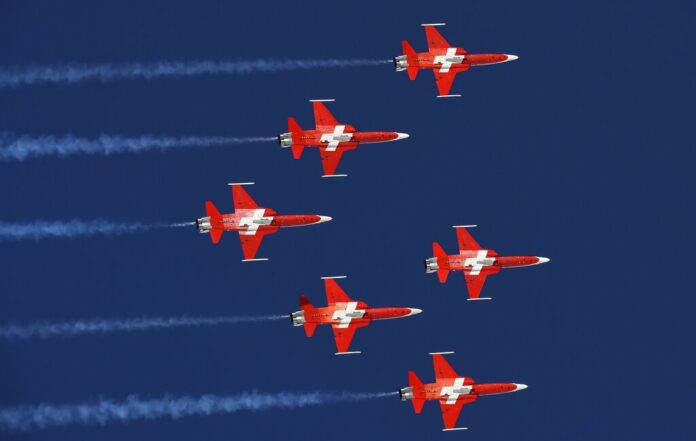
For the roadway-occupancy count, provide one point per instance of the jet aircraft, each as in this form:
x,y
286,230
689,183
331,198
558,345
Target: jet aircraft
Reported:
x,y
445,60
252,222
451,390
344,314
475,262
331,137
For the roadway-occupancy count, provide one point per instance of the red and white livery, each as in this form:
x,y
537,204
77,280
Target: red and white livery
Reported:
x,y
252,222
475,262
451,390
332,138
344,314
445,60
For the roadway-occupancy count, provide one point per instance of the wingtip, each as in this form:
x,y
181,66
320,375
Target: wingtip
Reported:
x,y
240,183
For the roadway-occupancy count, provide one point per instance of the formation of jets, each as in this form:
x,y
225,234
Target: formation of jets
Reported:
x,y
344,314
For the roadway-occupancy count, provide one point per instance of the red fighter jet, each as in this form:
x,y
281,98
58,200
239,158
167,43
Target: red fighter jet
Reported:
x,y
252,222
476,263
445,60
332,138
343,314
452,390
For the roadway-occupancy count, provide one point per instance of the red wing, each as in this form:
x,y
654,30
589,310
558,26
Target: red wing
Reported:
x,y
444,80
322,116
252,242
450,412
241,198
466,241
435,40
442,368
343,337
334,293
474,284
330,159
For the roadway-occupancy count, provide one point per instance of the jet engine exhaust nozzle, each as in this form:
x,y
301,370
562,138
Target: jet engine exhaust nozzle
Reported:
x,y
285,140
297,318
431,265
400,63
203,224
406,393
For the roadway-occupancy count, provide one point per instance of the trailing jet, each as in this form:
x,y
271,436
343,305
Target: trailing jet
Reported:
x,y
343,314
445,60
452,390
252,222
476,263
332,138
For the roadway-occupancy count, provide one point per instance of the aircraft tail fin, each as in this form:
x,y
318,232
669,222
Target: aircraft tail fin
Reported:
x,y
305,304
439,253
418,396
410,53
295,129
215,217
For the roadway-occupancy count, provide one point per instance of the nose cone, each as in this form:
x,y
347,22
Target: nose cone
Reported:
x,y
323,219
414,311
401,136
543,260
511,57
519,387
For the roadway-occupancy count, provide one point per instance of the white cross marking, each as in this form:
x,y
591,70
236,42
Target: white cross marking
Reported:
x,y
448,59
348,314
248,222
477,263
453,392
336,137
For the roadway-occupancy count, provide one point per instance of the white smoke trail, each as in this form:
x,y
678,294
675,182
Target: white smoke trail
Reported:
x,y
74,228
44,330
24,147
75,73
46,415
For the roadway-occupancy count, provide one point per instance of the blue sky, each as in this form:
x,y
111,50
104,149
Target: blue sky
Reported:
x,y
579,151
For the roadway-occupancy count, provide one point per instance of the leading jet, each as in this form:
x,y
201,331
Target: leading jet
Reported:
x,y
475,262
445,60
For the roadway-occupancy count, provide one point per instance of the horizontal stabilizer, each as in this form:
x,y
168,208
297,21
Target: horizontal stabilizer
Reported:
x,y
348,353
240,183
333,176
464,226
328,100
448,96
479,298
258,259
441,353
433,24
309,329
455,428
333,277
